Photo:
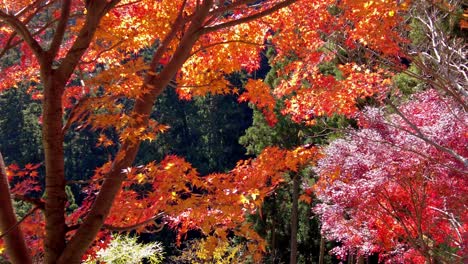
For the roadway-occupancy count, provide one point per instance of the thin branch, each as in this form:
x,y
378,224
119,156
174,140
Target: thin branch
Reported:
x,y
226,8
453,221
35,33
135,226
8,44
200,85
226,42
418,133
102,52
19,222
127,228
247,19
33,5
60,30
386,142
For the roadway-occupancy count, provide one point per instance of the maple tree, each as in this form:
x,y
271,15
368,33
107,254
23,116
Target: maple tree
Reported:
x,y
85,61
80,57
385,189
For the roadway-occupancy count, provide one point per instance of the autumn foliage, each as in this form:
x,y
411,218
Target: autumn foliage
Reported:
x,y
384,189
100,65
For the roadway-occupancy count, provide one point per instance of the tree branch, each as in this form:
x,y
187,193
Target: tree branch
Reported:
x,y
96,10
10,45
134,226
60,30
16,248
176,27
126,228
21,29
247,19
418,133
4,234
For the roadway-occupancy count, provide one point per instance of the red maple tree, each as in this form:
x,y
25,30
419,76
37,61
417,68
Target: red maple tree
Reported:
x,y
387,190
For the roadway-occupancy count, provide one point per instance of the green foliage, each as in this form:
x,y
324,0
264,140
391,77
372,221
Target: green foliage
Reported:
x,y
20,131
205,131
72,206
406,83
277,230
195,252
125,249
416,34
273,223
330,68
21,208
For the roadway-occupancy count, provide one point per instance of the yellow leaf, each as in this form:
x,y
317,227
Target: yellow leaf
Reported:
x,y
243,199
169,165
140,177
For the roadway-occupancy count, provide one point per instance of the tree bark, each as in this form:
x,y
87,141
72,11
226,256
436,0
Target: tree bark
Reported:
x,y
52,141
360,260
294,219
16,248
322,250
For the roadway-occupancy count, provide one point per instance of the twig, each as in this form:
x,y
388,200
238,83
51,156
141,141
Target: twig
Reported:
x,y
19,222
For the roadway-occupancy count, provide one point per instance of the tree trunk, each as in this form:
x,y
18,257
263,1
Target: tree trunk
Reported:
x,y
16,248
294,220
322,250
54,81
52,140
360,260
273,238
